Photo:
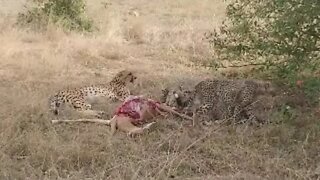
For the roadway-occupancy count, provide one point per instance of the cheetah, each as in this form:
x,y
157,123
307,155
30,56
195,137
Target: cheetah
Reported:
x,y
116,90
218,99
228,99
176,98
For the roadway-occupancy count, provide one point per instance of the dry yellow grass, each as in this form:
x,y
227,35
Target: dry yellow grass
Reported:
x,y
161,41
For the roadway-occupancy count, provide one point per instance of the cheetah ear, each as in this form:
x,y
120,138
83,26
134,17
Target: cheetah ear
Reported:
x,y
165,92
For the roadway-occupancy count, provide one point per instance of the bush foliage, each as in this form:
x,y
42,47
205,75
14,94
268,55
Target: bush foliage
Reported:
x,y
283,35
70,14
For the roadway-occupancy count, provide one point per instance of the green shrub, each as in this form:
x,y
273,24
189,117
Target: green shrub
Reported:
x,y
282,35
311,87
69,14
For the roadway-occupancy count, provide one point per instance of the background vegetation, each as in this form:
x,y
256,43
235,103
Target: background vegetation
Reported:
x,y
281,36
70,14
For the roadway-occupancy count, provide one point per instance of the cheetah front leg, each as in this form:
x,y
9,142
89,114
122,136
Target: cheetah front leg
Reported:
x,y
85,108
202,110
252,118
235,113
247,114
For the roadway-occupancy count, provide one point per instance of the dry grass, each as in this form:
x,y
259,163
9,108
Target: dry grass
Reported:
x,y
162,42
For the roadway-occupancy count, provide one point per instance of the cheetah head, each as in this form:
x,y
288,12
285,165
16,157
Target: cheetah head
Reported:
x,y
126,76
177,98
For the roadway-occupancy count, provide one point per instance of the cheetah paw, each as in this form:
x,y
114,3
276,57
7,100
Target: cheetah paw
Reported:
x,y
100,114
132,134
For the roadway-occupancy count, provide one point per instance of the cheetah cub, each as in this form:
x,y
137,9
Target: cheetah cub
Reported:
x,y
115,90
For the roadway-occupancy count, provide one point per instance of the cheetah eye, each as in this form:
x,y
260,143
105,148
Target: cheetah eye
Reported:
x,y
130,74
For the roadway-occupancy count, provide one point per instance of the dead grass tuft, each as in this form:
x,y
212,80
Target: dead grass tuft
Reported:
x,y
134,32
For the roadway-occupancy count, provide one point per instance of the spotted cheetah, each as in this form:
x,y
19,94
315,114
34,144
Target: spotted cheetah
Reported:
x,y
224,98
115,90
218,99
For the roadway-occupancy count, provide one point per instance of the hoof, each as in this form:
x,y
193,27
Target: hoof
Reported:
x,y
148,126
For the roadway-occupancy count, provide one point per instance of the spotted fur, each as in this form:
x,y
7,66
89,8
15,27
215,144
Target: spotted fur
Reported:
x,y
115,90
227,99
218,99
